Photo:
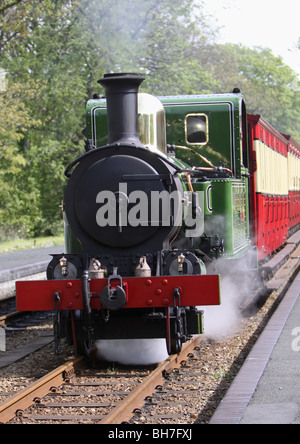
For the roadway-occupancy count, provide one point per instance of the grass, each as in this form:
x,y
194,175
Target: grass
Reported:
x,y
24,244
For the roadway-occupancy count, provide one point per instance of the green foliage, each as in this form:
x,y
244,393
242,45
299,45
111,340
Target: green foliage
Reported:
x,y
54,51
42,116
18,206
168,54
271,88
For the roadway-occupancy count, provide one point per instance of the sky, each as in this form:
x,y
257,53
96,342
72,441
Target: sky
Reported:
x,y
267,23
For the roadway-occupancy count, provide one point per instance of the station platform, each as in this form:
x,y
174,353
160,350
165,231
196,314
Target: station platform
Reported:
x,y
267,388
21,263
24,264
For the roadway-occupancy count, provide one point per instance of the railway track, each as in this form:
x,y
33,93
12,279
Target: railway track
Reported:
x,y
186,388
71,392
5,318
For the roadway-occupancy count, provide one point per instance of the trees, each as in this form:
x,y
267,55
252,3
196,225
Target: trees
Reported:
x,y
54,51
271,88
154,37
174,31
41,99
15,119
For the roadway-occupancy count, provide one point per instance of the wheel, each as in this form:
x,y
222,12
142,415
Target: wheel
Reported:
x,y
176,346
84,344
84,347
173,339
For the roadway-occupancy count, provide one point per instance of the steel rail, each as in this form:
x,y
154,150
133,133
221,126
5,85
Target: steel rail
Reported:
x,y
124,411
121,413
25,398
4,318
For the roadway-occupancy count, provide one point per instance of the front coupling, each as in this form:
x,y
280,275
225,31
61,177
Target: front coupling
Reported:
x,y
113,297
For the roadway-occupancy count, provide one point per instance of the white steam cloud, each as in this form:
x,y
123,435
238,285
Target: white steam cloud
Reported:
x,y
222,320
237,286
132,351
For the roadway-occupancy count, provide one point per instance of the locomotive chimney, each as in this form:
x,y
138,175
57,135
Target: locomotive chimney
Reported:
x,y
122,107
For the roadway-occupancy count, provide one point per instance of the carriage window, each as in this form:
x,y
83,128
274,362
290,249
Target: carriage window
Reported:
x,y
196,129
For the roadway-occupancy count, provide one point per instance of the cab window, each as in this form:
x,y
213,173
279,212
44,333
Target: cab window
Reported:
x,y
196,129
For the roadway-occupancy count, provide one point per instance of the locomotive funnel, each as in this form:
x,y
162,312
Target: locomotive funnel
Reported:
x,y
122,107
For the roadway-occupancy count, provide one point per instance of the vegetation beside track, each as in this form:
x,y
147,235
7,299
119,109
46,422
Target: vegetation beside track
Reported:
x,y
24,244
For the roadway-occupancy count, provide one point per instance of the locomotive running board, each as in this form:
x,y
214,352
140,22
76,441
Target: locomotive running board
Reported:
x,y
156,291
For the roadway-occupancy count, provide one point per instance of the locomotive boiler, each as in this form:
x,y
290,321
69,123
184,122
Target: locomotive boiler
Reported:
x,y
133,265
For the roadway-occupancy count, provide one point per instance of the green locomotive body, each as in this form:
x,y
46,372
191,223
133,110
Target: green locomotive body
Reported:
x,y
206,135
209,133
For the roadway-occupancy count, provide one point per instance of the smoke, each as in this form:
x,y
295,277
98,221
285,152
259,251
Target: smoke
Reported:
x,y
239,280
132,351
221,321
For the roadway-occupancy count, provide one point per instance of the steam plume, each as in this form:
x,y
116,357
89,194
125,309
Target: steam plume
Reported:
x,y
132,351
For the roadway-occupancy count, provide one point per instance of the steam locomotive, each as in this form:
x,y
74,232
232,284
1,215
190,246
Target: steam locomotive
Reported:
x,y
146,221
